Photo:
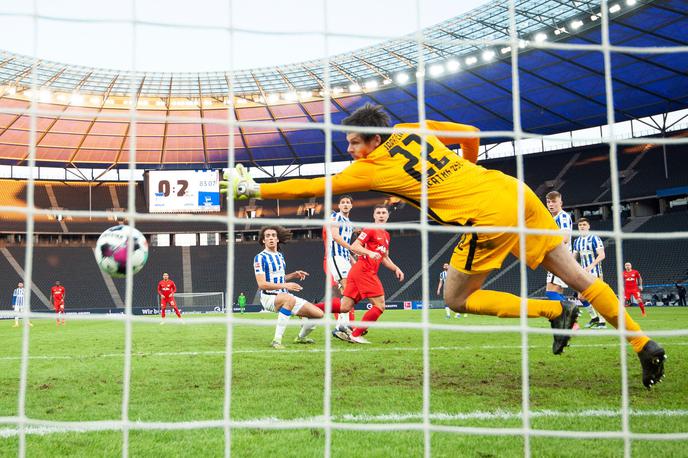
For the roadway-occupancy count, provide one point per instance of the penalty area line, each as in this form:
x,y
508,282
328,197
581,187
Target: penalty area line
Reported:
x,y
271,422
355,349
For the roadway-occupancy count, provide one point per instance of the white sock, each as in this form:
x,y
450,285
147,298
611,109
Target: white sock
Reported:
x,y
306,329
447,310
343,320
16,321
592,312
282,319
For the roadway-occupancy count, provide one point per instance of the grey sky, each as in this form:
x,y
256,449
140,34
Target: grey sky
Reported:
x,y
101,34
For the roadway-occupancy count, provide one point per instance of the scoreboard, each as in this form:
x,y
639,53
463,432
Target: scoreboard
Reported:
x,y
183,191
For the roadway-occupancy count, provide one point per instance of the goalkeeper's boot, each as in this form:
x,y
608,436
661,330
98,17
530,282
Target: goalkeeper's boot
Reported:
x,y
566,320
303,340
277,345
652,358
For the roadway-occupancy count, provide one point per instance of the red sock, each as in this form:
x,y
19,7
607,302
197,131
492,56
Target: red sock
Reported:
x,y
371,315
641,304
176,310
352,315
162,310
336,305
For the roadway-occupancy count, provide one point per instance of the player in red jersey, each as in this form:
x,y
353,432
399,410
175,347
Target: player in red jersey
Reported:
x,y
372,248
57,297
633,285
166,290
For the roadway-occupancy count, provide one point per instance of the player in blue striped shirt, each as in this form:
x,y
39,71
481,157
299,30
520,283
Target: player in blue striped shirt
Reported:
x,y
18,303
337,262
555,285
589,250
276,286
440,289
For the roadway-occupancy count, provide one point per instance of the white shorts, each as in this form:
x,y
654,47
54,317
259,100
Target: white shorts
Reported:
x,y
339,267
268,302
551,278
18,308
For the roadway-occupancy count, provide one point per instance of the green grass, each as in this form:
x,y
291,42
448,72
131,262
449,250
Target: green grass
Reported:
x,y
76,374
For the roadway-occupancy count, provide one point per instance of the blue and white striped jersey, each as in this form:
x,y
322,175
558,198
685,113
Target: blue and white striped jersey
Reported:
x,y
346,230
18,297
564,222
443,276
586,246
271,265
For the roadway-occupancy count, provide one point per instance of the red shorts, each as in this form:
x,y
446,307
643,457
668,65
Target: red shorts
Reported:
x,y
361,284
165,301
59,305
635,293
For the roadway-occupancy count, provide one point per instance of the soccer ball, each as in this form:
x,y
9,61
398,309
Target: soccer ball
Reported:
x,y
111,251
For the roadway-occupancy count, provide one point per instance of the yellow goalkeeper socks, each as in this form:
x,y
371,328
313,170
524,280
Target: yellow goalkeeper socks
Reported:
x,y
607,304
505,305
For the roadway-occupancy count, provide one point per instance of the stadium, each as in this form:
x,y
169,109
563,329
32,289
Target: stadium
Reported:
x,y
585,98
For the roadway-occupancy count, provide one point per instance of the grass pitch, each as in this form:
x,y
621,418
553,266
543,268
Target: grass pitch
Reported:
x,y
76,374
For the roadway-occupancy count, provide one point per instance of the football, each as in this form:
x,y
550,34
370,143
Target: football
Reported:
x,y
111,250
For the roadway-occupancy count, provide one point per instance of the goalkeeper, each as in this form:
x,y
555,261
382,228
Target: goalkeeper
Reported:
x,y
460,193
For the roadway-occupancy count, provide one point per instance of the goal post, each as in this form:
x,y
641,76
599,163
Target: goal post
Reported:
x,y
200,302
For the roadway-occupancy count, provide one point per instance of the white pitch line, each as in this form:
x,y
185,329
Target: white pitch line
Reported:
x,y
356,349
353,418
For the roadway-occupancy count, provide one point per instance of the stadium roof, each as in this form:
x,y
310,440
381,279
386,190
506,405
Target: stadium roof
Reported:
x,y
83,112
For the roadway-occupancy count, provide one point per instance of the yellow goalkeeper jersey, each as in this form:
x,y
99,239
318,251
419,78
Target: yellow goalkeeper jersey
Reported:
x,y
458,190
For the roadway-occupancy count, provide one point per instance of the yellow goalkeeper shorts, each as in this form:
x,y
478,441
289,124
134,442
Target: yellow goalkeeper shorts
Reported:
x,y
479,252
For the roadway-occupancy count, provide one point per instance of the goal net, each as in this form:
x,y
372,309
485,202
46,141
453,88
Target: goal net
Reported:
x,y
432,385
200,302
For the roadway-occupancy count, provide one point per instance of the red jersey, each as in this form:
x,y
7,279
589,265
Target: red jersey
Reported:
x,y
631,279
166,288
373,239
57,293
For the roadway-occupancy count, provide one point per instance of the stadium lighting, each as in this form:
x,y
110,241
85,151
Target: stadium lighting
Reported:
x,y
402,78
44,95
372,84
453,66
337,90
488,55
436,70
505,50
273,98
540,37
143,103
594,17
354,88
471,60
76,98
61,97
630,2
576,24
11,90
95,100
386,82
291,96
615,8
305,94
109,102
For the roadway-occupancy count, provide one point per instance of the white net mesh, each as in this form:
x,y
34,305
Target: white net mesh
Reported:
x,y
426,421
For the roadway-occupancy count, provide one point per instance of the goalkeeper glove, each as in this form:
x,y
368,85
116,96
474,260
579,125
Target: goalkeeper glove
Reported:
x,y
239,184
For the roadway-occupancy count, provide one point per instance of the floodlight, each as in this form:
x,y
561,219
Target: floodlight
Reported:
x,y
577,24
471,60
615,8
372,84
354,87
488,55
540,37
453,65
402,78
436,70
